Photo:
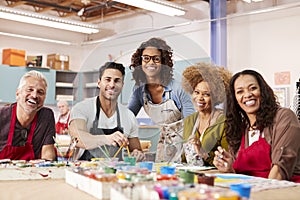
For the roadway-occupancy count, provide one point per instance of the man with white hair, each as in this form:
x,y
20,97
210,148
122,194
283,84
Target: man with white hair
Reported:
x,y
27,127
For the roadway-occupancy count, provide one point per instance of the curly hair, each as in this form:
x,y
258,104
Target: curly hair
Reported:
x,y
217,78
166,74
236,117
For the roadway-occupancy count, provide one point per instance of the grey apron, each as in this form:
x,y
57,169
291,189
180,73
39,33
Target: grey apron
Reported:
x,y
169,118
97,153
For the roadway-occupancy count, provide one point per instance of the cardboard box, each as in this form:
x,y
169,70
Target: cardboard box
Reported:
x,y
34,61
100,190
13,57
58,62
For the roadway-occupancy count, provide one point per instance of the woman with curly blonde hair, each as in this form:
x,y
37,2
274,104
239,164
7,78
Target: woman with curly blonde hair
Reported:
x,y
204,130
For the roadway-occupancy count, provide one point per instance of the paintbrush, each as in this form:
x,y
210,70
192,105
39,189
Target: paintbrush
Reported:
x,y
118,151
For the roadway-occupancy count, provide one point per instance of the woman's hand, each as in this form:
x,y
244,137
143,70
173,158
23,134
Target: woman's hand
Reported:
x,y
223,160
197,146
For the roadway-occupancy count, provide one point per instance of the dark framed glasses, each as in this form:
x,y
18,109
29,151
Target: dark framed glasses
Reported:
x,y
155,59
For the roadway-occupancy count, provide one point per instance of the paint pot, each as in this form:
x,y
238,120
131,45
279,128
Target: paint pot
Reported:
x,y
131,160
167,170
187,176
147,165
208,180
242,189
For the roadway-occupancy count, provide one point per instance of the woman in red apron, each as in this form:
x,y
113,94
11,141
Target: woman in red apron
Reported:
x,y
263,137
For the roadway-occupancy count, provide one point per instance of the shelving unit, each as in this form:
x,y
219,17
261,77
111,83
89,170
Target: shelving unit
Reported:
x,y
9,81
66,86
90,84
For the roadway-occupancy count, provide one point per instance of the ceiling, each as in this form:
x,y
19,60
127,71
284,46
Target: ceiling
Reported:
x,y
82,10
99,11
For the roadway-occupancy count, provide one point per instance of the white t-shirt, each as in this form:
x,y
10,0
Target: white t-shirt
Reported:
x,y
87,110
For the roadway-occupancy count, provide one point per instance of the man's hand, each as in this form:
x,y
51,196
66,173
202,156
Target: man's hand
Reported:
x,y
140,156
116,139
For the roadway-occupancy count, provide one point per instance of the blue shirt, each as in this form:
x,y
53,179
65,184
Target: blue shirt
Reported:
x,y
177,94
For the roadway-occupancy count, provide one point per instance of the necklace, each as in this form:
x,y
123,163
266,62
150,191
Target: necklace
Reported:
x,y
253,130
207,124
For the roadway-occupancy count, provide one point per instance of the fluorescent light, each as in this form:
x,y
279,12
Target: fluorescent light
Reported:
x,y
43,20
159,6
249,1
35,38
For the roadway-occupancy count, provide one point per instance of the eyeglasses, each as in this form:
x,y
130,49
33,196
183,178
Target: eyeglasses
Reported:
x,y
155,59
24,134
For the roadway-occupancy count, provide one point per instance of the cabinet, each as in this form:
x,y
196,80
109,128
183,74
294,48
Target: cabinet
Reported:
x,y
151,133
9,81
61,84
66,86
89,84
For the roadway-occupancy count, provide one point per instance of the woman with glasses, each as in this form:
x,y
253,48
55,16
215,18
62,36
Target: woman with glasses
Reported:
x,y
162,97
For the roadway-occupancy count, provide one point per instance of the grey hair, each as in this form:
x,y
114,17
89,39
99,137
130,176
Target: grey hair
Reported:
x,y
32,73
62,102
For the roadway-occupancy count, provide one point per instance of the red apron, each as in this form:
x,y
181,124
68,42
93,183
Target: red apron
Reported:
x,y
60,127
256,159
25,152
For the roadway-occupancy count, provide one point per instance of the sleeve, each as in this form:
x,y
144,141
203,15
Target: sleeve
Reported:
x,y
80,111
285,142
136,101
131,121
186,102
50,128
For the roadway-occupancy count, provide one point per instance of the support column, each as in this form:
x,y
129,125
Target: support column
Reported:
x,y
218,38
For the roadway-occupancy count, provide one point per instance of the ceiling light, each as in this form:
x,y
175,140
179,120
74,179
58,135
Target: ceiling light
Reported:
x,y
35,38
159,6
43,20
249,1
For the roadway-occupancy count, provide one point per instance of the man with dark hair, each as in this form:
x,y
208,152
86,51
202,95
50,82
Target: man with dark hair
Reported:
x,y
100,124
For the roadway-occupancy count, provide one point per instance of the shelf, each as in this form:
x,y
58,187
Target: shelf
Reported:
x,y
63,84
91,85
66,86
65,97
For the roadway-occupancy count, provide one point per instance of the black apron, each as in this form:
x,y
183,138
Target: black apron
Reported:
x,y
97,153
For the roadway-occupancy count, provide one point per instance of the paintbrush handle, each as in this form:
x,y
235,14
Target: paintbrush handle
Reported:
x,y
118,151
128,151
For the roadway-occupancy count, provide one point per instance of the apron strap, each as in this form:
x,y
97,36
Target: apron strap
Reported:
x,y
98,106
12,126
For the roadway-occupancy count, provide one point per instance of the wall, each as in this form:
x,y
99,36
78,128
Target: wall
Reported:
x,y
268,42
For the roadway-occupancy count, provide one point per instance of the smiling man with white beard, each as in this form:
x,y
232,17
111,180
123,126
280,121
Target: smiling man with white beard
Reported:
x,y
28,128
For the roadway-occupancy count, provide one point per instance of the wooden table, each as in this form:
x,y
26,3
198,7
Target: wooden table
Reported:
x,y
58,189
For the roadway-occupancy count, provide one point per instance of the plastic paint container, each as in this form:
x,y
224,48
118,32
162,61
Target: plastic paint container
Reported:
x,y
187,176
131,160
148,165
167,170
208,180
242,189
